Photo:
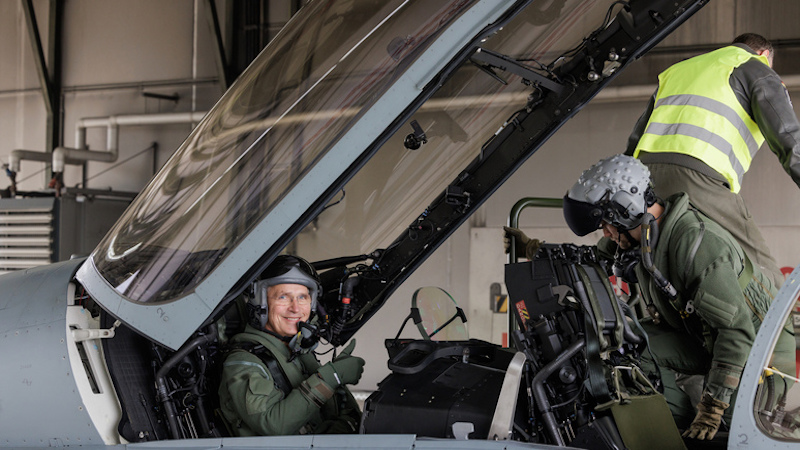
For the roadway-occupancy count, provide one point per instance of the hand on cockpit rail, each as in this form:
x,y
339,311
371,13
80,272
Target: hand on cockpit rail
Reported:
x,y
522,242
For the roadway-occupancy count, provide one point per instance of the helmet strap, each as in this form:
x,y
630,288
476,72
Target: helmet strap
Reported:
x,y
628,236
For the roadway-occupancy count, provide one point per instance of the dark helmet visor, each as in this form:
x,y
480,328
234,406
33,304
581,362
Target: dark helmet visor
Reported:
x,y
582,217
284,263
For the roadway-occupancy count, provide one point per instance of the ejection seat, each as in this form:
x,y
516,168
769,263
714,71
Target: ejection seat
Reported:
x,y
582,346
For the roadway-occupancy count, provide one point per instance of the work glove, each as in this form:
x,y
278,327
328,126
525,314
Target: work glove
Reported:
x,y
523,243
708,418
344,369
347,350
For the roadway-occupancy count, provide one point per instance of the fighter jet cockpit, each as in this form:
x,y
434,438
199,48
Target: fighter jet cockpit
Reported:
x,y
366,148
361,138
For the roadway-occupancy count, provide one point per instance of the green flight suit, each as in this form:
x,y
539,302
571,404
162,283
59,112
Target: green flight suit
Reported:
x,y
253,405
720,318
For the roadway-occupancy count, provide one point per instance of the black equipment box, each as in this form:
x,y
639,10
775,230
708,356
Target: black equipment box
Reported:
x,y
436,384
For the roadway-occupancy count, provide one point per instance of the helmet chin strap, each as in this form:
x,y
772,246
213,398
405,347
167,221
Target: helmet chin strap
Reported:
x,y
628,236
262,318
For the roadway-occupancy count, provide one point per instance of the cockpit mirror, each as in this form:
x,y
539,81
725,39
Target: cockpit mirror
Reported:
x,y
441,319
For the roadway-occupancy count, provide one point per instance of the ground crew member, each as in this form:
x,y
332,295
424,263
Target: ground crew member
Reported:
x,y
704,125
706,299
272,383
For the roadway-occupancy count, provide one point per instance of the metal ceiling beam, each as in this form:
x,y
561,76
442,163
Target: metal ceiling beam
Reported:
x,y
38,54
49,80
219,54
54,40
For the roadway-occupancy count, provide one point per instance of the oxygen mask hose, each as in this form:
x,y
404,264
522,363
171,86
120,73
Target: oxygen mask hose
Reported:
x,y
346,290
649,239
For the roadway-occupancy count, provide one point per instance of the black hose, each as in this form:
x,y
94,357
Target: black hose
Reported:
x,y
205,425
161,375
627,332
336,262
649,238
770,392
540,395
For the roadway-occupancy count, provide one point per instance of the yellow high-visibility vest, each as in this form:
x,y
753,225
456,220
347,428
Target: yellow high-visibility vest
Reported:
x,y
697,114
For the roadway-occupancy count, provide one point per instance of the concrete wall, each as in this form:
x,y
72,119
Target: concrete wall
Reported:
x,y
115,50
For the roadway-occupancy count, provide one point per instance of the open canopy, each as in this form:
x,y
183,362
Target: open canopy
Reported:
x,y
367,127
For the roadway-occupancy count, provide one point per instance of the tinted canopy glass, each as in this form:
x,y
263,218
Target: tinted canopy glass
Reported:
x,y
282,115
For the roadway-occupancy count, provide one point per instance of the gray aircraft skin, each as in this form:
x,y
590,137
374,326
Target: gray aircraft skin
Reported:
x,y
317,141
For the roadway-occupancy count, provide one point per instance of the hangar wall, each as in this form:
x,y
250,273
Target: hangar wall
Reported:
x,y
115,51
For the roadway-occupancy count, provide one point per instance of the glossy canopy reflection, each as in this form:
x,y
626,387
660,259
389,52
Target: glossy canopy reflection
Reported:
x,y
290,106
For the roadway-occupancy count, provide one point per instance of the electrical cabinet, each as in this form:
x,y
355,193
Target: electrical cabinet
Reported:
x,y
42,230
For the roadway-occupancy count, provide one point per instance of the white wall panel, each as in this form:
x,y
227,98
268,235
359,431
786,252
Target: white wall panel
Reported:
x,y
115,41
17,69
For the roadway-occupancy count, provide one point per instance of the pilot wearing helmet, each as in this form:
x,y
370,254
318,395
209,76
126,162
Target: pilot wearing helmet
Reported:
x,y
705,297
271,382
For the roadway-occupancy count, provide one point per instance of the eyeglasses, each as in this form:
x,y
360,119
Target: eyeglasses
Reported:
x,y
286,300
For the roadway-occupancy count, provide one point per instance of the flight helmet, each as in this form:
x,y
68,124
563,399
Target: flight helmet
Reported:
x,y
616,190
285,269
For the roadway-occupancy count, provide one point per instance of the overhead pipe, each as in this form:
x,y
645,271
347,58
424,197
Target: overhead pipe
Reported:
x,y
15,161
79,154
16,157
62,156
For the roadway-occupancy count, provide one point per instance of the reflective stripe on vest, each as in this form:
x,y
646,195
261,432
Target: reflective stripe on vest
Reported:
x,y
697,114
